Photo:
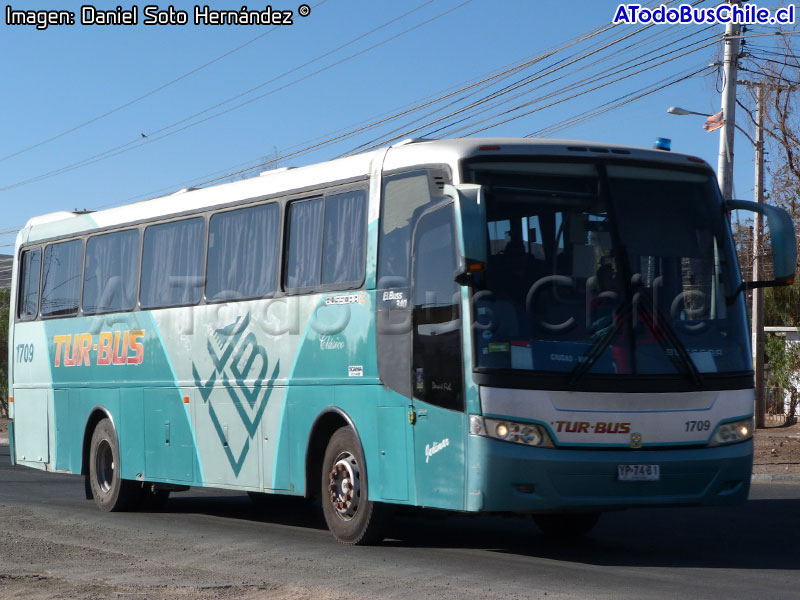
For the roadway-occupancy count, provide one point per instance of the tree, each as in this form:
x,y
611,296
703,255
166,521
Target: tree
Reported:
x,y
784,364
774,67
4,304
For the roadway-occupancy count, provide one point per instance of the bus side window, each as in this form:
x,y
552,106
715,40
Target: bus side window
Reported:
x,y
172,263
28,299
243,253
405,197
345,238
327,238
61,278
111,271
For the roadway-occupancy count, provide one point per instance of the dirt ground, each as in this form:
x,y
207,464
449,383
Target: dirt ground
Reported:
x,y
28,570
777,451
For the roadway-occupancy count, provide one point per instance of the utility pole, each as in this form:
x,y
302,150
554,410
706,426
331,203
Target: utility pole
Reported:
x,y
758,293
757,318
730,69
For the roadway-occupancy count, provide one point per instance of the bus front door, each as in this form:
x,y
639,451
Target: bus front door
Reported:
x,y
437,363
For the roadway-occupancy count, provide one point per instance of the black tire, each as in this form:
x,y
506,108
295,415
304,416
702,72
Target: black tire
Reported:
x,y
351,516
567,525
110,493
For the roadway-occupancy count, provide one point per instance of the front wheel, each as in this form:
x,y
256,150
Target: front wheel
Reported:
x,y
351,516
567,525
110,492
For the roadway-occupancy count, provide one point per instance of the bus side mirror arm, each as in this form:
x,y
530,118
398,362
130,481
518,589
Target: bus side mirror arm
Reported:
x,y
751,285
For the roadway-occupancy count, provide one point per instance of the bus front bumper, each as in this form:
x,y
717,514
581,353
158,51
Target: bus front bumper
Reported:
x,y
505,477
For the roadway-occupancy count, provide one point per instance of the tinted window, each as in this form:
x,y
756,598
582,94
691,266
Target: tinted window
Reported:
x,y
61,278
405,198
345,234
437,357
242,253
305,243
172,263
339,220
28,301
112,268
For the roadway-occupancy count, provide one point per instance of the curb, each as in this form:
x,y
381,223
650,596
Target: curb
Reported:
x,y
774,477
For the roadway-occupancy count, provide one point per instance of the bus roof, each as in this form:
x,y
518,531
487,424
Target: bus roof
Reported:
x,y
295,180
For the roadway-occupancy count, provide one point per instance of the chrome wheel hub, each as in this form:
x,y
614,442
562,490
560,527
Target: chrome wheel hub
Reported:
x,y
344,486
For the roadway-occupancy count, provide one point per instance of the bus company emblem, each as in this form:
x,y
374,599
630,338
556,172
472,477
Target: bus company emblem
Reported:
x,y
636,440
238,358
359,298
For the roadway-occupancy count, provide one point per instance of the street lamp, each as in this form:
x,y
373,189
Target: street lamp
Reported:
x,y
677,110
757,322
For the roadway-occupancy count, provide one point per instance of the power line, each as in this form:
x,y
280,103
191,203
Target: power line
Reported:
x,y
614,104
610,72
138,142
409,132
521,106
479,85
147,94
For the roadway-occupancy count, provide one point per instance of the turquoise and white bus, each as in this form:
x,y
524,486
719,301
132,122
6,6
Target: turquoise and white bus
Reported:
x,y
476,325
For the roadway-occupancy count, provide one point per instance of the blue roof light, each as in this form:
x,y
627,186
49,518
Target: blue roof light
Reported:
x,y
663,144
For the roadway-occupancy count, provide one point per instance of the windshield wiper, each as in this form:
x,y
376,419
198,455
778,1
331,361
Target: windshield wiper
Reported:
x,y
599,346
663,331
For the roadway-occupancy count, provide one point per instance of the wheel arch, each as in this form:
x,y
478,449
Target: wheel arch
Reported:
x,y
97,414
325,425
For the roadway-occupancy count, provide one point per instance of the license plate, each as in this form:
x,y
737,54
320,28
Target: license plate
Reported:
x,y
638,472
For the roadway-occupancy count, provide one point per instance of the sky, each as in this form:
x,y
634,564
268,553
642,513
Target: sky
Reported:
x,y
102,115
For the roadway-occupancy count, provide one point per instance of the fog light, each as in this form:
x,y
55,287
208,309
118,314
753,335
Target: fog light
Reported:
x,y
502,430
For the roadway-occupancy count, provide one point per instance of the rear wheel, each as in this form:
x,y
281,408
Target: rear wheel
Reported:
x,y
351,516
110,492
567,525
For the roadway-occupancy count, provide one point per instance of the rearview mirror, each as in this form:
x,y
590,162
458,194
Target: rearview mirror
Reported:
x,y
470,212
781,239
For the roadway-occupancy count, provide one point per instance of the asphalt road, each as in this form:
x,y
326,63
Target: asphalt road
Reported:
x,y
214,544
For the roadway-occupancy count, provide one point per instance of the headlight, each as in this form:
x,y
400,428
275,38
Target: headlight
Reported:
x,y
529,434
730,433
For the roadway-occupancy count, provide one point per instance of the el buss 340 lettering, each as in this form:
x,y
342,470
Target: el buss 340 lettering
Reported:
x,y
107,348
482,348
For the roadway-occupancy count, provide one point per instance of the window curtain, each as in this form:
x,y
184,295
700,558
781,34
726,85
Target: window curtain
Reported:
x,y
345,217
242,253
111,271
172,263
305,243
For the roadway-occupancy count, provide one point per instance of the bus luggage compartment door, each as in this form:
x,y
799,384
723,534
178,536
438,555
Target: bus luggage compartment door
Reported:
x,y
31,426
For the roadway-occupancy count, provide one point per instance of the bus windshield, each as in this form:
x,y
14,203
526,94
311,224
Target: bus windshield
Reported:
x,y
606,269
